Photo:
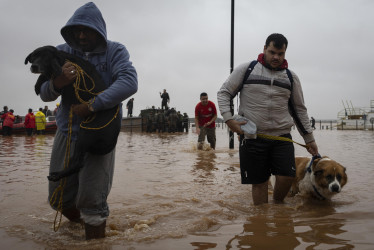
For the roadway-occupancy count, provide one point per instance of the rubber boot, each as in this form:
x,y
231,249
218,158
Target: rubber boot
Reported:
x,y
95,232
73,214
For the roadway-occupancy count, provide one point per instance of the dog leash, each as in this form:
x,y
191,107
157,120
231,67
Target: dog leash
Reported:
x,y
309,168
280,138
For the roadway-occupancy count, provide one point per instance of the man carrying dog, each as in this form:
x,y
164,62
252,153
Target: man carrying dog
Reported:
x,y
266,96
85,193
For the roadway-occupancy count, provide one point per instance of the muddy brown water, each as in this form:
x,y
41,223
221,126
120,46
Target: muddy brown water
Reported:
x,y
168,195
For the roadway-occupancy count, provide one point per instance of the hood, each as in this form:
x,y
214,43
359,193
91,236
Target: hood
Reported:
x,y
90,16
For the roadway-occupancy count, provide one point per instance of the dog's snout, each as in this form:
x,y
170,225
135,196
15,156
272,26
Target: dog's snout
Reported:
x,y
335,188
34,69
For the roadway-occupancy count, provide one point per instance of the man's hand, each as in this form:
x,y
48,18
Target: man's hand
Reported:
x,y
312,148
235,126
81,110
198,130
67,76
207,124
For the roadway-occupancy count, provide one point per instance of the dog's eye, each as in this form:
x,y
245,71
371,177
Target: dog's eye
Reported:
x,y
339,177
329,177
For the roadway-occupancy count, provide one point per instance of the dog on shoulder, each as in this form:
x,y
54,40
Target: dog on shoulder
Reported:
x,y
320,178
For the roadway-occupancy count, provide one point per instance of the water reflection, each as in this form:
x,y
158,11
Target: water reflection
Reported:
x,y
203,245
320,227
314,227
265,230
205,160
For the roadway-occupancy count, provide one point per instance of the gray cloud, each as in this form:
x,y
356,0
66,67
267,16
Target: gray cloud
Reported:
x,y
184,46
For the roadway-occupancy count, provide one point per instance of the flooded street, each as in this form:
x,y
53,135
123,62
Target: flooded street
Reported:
x,y
168,195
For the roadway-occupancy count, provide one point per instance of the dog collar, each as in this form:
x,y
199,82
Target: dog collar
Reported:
x,y
309,168
318,194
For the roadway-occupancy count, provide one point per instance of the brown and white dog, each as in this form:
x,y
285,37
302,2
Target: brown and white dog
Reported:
x,y
320,178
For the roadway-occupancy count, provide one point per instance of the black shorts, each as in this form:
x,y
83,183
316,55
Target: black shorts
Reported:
x,y
259,158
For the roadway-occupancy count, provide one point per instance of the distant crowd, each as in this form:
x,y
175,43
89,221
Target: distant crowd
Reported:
x,y
32,123
166,120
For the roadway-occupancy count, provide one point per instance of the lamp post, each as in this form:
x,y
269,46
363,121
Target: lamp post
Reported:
x,y
231,134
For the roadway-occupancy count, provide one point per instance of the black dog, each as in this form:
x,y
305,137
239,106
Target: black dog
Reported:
x,y
99,132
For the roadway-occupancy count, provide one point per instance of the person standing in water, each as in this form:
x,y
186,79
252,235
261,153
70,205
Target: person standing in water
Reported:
x,y
205,117
130,106
29,122
85,193
272,98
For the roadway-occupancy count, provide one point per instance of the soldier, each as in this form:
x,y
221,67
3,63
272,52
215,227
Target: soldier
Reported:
x,y
151,121
180,122
160,121
173,117
185,122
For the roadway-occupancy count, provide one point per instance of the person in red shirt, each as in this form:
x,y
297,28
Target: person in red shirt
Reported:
x,y
30,122
205,117
8,120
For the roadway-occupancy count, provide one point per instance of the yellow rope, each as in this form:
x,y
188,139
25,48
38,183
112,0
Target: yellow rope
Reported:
x,y
114,117
60,188
77,87
81,79
279,138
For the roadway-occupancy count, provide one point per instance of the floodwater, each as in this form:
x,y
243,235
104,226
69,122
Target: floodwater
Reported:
x,y
168,195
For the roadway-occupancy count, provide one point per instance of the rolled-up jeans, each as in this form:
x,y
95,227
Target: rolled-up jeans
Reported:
x,y
210,133
86,190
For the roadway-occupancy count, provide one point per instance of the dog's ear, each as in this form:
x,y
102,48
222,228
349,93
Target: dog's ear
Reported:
x,y
56,67
57,62
316,161
39,82
28,58
319,172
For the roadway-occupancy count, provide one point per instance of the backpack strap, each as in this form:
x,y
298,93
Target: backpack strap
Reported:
x,y
248,72
251,67
290,77
290,101
291,107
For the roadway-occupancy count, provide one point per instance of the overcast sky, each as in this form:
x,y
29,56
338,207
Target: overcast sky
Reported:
x,y
184,47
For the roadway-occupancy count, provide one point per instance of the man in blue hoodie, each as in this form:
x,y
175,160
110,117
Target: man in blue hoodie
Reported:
x,y
85,193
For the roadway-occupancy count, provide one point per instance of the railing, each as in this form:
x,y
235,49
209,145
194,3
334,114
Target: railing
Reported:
x,y
335,125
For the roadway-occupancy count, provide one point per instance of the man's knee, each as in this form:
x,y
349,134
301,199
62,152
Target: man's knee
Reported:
x,y
284,180
260,193
282,187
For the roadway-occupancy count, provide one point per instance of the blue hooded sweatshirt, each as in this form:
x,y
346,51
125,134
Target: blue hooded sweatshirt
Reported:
x,y
110,58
